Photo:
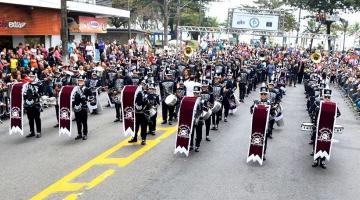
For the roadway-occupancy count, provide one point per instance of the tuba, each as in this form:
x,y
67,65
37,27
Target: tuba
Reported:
x,y
316,57
188,51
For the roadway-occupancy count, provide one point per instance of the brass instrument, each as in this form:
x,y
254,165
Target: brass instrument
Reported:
x,y
316,57
188,51
262,56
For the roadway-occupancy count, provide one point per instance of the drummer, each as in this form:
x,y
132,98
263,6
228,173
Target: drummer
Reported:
x,y
167,88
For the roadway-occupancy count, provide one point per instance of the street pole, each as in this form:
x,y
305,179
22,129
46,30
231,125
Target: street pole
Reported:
x,y
64,33
129,26
177,26
298,28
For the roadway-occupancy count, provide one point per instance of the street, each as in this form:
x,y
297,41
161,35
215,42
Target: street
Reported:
x,y
106,167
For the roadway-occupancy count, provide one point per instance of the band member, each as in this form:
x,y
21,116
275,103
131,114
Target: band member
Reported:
x,y
198,122
243,79
167,87
93,84
32,106
116,86
56,89
265,101
80,109
180,93
228,93
217,90
141,121
207,99
326,98
154,102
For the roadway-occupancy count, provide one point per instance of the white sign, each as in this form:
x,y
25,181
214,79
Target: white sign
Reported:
x,y
255,22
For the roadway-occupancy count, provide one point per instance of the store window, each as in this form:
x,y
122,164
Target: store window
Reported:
x,y
34,40
86,38
5,42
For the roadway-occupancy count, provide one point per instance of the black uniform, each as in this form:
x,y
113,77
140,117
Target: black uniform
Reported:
x,y
207,99
154,102
141,102
80,109
33,107
117,85
197,127
243,79
167,87
217,90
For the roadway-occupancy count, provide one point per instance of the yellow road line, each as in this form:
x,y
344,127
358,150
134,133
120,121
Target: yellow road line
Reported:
x,y
65,184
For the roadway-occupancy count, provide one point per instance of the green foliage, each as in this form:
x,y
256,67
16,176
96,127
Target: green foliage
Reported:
x,y
328,6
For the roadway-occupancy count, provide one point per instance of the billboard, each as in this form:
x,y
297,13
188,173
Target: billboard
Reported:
x,y
82,24
255,22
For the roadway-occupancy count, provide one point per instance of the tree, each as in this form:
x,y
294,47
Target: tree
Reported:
x,y
329,7
314,28
354,29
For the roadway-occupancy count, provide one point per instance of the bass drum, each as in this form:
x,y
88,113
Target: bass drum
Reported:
x,y
217,107
170,100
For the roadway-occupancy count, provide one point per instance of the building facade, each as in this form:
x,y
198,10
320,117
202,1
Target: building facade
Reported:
x,y
37,22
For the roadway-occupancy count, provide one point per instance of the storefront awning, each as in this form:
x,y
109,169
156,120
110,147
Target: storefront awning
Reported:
x,y
73,6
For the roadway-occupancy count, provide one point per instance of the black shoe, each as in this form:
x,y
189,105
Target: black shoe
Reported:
x,y
30,135
170,123
311,142
133,140
225,119
151,133
213,128
107,105
84,137
242,100
117,120
56,126
270,137
323,165
264,158
78,137
315,164
208,139
197,149
121,120
217,127
94,113
312,154
38,135
143,142
191,148
164,122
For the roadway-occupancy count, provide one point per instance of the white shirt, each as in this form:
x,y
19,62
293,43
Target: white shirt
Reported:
x,y
190,87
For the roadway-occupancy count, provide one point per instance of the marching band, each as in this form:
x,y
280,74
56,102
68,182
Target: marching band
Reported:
x,y
208,83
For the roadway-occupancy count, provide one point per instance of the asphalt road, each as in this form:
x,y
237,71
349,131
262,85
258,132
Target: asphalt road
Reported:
x,y
54,167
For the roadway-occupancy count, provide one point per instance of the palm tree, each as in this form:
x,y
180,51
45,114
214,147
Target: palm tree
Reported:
x,y
313,27
354,29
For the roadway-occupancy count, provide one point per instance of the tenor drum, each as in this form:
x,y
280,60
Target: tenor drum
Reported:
x,y
170,100
152,112
216,108
206,114
338,129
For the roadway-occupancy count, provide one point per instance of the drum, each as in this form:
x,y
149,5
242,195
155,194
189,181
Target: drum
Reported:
x,y
206,114
170,100
152,112
307,126
216,108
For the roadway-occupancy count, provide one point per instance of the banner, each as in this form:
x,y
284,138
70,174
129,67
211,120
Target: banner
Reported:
x,y
128,95
17,109
325,129
258,133
186,117
65,109
255,22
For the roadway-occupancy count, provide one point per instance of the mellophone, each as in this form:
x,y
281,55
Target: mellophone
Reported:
x,y
307,126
